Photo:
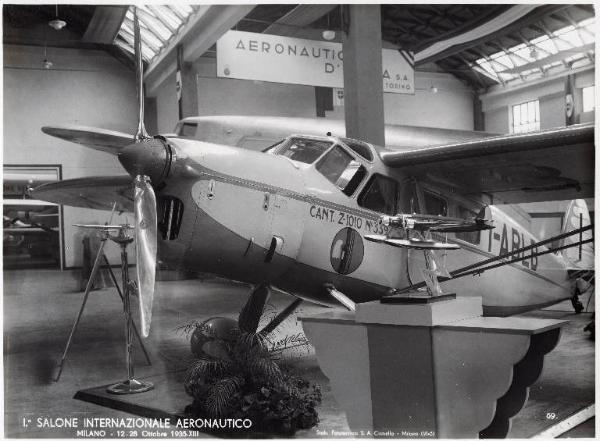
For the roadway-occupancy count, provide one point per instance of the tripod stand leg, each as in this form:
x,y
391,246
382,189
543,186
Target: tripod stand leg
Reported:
x,y
135,330
88,288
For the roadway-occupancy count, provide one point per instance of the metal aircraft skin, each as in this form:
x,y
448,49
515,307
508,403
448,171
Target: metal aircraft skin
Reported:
x,y
296,216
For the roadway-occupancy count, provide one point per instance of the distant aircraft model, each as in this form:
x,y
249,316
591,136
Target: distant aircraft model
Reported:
x,y
306,216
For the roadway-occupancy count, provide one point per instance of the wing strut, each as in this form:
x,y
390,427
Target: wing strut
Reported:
x,y
479,267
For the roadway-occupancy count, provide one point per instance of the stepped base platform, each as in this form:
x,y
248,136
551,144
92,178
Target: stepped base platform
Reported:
x,y
430,370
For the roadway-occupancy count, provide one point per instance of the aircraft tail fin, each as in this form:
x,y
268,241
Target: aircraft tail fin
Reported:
x,y
578,257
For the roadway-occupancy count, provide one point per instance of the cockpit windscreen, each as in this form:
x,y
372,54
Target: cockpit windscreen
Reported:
x,y
303,149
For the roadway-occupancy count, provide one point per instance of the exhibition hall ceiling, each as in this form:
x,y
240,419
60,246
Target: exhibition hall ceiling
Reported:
x,y
539,41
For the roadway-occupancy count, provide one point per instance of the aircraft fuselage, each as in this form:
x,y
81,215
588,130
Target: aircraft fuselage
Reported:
x,y
259,217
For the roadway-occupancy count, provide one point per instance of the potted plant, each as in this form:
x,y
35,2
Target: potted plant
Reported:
x,y
235,374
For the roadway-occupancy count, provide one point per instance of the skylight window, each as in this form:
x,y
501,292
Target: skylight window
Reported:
x,y
158,25
171,20
181,9
573,42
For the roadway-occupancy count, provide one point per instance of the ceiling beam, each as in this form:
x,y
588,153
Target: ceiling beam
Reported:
x,y
517,17
406,33
478,77
205,26
511,55
105,24
300,16
589,8
559,56
552,40
516,85
453,66
476,20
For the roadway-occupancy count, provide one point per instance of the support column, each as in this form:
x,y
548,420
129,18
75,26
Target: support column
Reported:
x,y
186,86
363,77
569,100
151,114
478,116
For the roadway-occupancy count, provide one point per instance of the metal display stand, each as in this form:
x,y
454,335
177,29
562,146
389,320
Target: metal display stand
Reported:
x,y
131,385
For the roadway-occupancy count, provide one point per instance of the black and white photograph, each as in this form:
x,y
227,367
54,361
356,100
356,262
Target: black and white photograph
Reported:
x,y
280,220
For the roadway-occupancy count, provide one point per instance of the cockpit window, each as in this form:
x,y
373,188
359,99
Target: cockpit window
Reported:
x,y
362,148
187,130
435,205
273,147
410,198
380,194
303,149
470,236
340,168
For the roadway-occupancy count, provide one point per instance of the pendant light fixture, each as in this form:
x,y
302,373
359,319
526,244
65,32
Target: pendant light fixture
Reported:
x,y
57,24
328,34
47,63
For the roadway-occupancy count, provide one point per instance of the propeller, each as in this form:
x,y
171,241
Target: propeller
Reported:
x,y
146,159
135,160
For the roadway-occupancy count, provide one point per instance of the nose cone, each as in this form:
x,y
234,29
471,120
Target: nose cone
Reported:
x,y
150,157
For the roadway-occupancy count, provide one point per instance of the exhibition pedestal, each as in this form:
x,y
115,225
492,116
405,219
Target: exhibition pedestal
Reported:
x,y
437,370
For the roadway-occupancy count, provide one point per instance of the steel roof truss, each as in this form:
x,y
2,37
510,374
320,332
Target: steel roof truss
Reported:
x,y
511,55
550,37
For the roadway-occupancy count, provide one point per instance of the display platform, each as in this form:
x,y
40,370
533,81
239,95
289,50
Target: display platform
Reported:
x,y
166,401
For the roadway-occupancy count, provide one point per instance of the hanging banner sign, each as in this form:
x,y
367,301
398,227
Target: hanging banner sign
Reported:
x,y
338,97
264,57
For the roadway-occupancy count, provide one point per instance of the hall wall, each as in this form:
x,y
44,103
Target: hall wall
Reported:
x,y
451,107
83,87
498,102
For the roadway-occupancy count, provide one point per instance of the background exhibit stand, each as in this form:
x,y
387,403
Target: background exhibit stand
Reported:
x,y
131,385
431,369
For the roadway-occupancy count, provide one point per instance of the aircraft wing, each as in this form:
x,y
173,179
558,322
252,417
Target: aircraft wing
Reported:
x,y
553,164
107,141
99,192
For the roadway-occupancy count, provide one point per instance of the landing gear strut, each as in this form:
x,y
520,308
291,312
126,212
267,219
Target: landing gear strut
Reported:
x,y
591,327
577,305
252,311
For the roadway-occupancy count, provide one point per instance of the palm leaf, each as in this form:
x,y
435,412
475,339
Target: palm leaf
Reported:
x,y
264,366
220,394
249,341
208,368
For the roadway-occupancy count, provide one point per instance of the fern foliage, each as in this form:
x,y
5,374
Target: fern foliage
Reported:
x,y
243,380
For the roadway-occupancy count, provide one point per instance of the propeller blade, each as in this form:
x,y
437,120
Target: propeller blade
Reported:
x,y
145,236
108,141
139,73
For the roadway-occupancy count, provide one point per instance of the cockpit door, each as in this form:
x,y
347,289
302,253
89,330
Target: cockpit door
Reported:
x,y
287,213
287,225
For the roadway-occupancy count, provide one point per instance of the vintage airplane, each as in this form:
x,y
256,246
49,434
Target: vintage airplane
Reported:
x,y
305,216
